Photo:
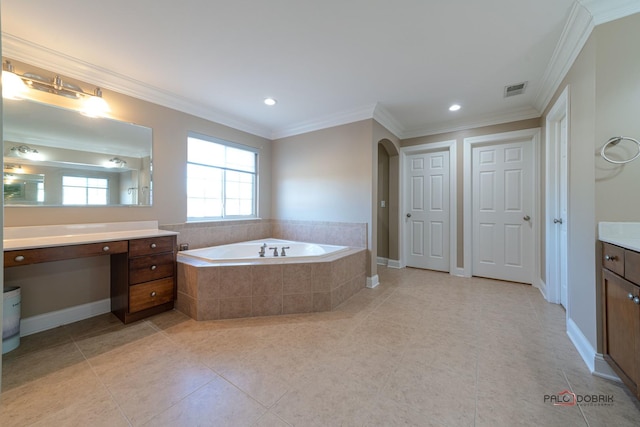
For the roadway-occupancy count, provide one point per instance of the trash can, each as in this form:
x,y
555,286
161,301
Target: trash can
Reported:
x,y
10,318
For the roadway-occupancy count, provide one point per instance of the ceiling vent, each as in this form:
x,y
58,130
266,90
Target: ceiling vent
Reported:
x,y
514,90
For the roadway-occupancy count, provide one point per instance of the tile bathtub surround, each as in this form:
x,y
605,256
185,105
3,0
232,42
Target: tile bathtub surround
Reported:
x,y
215,233
205,234
234,291
324,233
422,349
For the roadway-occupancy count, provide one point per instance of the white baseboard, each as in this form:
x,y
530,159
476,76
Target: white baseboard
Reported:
x,y
382,261
42,322
602,369
542,287
394,263
373,281
582,344
457,272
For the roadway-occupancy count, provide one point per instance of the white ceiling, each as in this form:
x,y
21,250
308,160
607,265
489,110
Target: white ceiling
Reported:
x,y
326,62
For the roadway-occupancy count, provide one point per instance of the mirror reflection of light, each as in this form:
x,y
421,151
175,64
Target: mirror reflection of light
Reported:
x,y
26,152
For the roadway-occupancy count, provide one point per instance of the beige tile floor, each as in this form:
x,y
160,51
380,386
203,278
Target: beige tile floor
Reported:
x,y
423,349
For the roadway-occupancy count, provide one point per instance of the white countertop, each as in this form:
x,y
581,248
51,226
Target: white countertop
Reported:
x,y
76,234
623,234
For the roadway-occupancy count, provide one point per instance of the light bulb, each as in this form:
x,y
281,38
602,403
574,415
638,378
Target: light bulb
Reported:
x,y
12,86
95,106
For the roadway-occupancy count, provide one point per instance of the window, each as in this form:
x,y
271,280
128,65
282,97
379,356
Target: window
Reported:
x,y
221,179
81,190
40,192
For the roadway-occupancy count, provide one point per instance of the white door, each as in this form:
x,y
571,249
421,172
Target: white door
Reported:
x,y
427,210
556,199
502,203
561,220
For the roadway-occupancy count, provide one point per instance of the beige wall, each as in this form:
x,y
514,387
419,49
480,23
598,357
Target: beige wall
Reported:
x,y
459,137
324,175
604,98
381,135
617,113
383,195
581,217
59,285
604,93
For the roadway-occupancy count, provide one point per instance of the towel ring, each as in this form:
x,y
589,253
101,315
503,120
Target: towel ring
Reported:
x,y
615,140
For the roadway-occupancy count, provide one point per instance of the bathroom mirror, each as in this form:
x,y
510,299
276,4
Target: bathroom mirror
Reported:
x,y
57,157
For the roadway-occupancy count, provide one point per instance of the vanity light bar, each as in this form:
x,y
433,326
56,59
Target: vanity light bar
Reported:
x,y
15,86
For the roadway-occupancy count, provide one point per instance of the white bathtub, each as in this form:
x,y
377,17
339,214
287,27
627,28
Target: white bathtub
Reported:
x,y
248,252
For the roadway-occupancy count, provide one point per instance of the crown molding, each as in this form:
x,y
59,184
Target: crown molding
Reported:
x,y
39,56
386,119
584,16
513,115
331,120
610,10
573,38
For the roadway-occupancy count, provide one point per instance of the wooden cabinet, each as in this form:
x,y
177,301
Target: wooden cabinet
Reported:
x,y
621,313
143,280
143,271
20,257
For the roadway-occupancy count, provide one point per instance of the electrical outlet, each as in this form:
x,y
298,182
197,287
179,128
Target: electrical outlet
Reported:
x,y
383,204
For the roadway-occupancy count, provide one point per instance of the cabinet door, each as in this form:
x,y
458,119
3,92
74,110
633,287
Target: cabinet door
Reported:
x,y
621,316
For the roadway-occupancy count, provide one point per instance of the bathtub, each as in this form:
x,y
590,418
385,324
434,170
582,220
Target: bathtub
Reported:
x,y
249,252
231,281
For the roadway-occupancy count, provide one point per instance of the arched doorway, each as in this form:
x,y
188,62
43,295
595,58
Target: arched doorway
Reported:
x,y
387,197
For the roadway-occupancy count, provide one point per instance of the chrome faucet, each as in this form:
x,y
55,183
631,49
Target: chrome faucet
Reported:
x,y
275,251
262,249
283,253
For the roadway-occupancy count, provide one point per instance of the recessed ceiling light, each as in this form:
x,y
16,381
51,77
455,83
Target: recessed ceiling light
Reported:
x,y
270,101
454,107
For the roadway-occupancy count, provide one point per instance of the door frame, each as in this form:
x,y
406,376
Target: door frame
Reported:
x,y
405,152
551,289
494,139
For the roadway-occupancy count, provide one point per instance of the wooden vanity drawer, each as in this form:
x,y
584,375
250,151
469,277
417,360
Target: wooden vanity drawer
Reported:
x,y
613,258
59,253
152,267
150,246
632,266
150,294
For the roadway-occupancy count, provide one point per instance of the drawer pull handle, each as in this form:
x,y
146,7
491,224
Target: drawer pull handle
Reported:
x,y
630,296
105,249
636,300
153,246
610,257
153,267
19,258
153,294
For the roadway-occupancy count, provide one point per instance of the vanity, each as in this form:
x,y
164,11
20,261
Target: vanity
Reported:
x,y
620,300
142,259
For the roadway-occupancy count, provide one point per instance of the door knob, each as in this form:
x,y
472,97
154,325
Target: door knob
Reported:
x,y
557,220
408,215
526,217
